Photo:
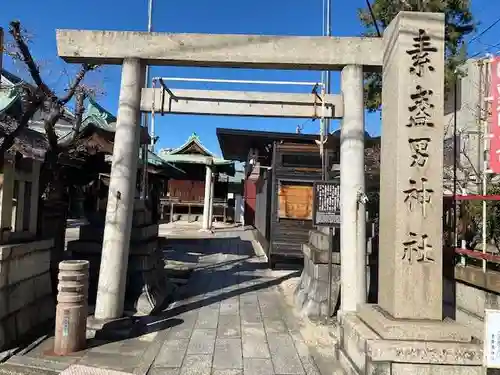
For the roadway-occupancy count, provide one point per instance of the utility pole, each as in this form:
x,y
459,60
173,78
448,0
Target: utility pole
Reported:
x,y
1,54
148,71
326,76
145,117
482,122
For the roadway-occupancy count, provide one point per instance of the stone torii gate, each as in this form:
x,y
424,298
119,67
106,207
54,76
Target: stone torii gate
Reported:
x,y
405,332
236,103
136,49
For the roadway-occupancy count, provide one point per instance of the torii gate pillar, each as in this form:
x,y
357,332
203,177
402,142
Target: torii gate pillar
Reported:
x,y
122,188
208,200
352,189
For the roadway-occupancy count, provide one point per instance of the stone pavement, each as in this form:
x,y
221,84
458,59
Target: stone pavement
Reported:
x,y
229,320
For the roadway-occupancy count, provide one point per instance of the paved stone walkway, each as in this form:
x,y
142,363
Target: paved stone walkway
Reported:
x,y
231,320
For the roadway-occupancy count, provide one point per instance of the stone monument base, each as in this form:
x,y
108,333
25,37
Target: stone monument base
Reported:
x,y
311,294
148,286
373,343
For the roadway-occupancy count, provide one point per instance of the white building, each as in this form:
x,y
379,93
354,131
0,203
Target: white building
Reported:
x,y
471,122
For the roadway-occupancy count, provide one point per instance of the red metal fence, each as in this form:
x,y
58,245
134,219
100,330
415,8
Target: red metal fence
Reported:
x,y
449,201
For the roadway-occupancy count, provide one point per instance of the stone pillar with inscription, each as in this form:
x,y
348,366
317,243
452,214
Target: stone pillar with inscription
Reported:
x,y
405,332
412,173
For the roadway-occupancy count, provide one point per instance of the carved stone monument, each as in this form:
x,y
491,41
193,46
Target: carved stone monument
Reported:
x,y
405,332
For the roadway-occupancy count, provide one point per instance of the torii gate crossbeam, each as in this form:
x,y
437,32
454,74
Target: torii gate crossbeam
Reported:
x,y
220,50
241,103
134,50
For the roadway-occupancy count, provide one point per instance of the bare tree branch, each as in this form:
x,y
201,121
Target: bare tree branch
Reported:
x,y
81,95
76,83
53,113
15,31
80,108
52,107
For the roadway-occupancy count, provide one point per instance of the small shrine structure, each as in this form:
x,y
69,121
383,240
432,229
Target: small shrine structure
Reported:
x,y
203,188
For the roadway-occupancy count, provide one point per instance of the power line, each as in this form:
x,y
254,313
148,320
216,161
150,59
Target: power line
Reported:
x,y
485,30
485,50
374,20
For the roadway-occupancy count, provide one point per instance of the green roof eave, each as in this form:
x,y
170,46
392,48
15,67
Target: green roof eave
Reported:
x,y
221,165
195,159
98,116
156,161
8,96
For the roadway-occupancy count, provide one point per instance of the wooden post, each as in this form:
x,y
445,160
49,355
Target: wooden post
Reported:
x,y
6,196
35,187
18,225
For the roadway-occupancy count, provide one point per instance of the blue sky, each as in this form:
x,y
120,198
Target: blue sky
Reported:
x,y
275,17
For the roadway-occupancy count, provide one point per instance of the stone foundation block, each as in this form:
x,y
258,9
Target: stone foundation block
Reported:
x,y
25,289
22,261
319,240
25,319
363,350
311,294
430,330
147,285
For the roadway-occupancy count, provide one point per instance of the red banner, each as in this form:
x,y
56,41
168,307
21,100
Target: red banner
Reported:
x,y
495,116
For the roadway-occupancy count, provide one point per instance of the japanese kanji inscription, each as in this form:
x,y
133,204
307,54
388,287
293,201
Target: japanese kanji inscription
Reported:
x,y
421,109
419,151
418,195
420,53
417,248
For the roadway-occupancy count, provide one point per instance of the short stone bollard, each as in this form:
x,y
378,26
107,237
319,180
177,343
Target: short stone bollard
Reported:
x,y
72,307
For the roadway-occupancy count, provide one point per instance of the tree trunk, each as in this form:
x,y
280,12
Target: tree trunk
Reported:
x,y
53,215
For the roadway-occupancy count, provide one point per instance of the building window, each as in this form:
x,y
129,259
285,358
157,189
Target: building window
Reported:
x,y
301,161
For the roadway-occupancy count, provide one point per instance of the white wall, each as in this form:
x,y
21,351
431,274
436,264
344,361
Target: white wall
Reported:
x,y
469,124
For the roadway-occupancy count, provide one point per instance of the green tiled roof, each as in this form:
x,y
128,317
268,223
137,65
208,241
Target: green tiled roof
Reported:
x,y
8,96
99,116
179,155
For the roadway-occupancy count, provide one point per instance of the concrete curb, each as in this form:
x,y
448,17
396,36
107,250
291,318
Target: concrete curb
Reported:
x,y
257,247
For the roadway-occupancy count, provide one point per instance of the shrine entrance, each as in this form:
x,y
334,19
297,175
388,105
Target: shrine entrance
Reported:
x,y
411,58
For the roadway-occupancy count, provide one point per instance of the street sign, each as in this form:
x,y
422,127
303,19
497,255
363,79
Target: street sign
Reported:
x,y
326,203
491,345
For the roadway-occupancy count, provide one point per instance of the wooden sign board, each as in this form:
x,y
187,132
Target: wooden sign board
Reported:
x,y
295,202
326,203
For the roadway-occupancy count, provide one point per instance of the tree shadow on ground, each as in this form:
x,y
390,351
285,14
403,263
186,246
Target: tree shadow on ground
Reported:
x,y
188,306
